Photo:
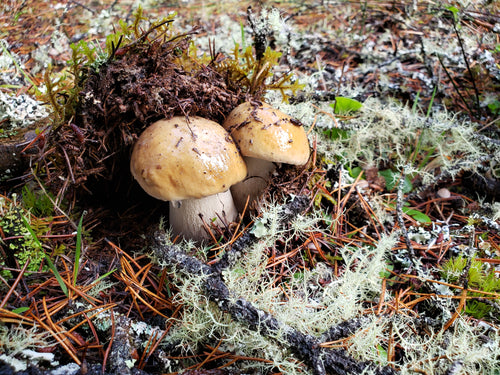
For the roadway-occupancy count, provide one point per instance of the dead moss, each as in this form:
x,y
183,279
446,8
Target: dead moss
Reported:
x,y
144,82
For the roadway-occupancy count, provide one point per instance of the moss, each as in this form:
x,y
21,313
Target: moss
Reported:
x,y
21,244
147,71
480,277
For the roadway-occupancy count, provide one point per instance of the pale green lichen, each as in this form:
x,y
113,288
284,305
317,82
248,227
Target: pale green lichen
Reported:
x,y
304,304
474,347
310,307
385,131
15,339
496,211
19,345
19,111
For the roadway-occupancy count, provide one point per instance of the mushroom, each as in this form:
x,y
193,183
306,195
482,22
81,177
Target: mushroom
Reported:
x,y
191,163
264,136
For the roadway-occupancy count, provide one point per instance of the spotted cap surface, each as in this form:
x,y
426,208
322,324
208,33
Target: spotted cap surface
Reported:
x,y
176,159
266,133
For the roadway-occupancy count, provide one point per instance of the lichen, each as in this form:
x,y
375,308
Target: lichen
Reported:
x,y
19,112
18,347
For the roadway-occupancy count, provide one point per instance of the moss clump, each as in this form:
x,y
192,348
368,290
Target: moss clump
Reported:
x,y
479,276
148,71
21,246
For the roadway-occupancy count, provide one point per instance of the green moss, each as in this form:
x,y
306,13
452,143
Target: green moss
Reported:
x,y
480,277
21,244
37,201
253,75
245,69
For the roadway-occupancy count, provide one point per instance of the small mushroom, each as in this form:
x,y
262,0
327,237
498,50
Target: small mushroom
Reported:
x,y
192,163
265,136
443,193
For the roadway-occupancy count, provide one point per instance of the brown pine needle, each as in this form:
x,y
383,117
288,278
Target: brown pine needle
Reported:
x,y
14,285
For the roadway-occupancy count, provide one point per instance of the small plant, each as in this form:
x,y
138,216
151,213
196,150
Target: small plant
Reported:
x,y
345,106
252,74
18,226
37,201
494,107
480,277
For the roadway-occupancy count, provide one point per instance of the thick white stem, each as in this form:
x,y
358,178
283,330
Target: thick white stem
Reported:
x,y
185,218
259,172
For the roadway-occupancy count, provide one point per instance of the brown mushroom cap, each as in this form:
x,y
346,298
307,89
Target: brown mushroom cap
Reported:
x,y
176,159
266,133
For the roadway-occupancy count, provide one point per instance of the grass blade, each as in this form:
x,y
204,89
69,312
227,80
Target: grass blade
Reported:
x,y
47,258
78,250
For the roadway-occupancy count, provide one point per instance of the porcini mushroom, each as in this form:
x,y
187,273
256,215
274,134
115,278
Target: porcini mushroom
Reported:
x,y
265,136
191,163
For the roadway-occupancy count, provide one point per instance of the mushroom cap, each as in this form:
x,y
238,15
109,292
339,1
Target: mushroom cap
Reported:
x,y
176,159
263,132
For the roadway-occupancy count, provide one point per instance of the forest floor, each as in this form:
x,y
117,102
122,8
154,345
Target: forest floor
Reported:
x,y
381,255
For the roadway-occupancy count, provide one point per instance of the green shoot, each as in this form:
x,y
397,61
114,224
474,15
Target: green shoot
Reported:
x,y
56,273
105,275
20,310
47,258
454,10
78,250
432,101
243,41
345,106
415,103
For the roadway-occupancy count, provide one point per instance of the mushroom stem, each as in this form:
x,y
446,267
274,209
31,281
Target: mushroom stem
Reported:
x,y
259,172
185,217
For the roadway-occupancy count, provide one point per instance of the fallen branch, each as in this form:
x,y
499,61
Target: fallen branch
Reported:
x,y
307,348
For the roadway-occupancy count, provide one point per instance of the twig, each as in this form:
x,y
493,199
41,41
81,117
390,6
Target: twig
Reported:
x,y
231,256
399,215
476,91
80,5
14,285
454,84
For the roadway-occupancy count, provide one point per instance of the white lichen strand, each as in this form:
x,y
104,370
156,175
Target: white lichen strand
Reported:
x,y
309,308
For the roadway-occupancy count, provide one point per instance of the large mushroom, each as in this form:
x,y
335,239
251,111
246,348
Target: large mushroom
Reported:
x,y
191,162
265,136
